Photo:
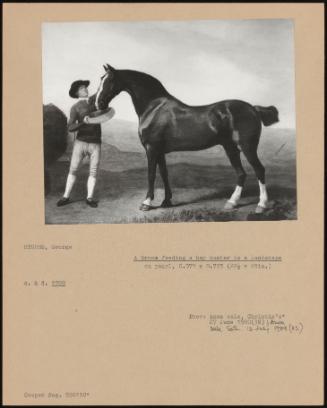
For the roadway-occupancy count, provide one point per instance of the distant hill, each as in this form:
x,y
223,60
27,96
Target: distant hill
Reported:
x,y
122,134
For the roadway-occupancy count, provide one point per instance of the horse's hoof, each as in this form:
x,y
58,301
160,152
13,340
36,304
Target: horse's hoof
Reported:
x,y
229,206
260,210
166,204
145,207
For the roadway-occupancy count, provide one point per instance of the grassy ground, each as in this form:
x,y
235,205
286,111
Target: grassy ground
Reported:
x,y
199,194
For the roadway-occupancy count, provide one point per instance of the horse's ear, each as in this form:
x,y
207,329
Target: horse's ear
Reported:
x,y
108,67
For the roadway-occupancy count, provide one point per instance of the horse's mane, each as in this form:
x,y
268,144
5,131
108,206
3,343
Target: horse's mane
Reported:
x,y
148,81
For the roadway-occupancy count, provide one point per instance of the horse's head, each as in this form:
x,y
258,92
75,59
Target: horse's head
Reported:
x,y
108,88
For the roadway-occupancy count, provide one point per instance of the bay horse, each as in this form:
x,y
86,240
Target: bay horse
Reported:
x,y
168,125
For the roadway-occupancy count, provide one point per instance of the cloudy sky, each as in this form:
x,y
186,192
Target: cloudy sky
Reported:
x,y
199,62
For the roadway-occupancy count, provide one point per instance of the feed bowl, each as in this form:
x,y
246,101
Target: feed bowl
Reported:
x,y
99,112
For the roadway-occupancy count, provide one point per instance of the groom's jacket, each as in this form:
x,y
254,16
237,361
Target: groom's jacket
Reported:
x,y
90,133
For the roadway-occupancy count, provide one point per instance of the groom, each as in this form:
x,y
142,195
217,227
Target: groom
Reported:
x,y
87,142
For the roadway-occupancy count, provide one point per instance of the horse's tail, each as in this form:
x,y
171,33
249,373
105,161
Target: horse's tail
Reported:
x,y
268,115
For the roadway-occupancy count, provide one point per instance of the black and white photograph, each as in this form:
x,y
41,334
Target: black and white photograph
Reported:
x,y
169,121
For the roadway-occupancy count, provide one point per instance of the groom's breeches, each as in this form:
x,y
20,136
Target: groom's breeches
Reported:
x,y
82,149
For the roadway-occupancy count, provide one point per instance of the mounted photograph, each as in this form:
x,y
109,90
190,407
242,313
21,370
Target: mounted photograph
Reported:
x,y
169,121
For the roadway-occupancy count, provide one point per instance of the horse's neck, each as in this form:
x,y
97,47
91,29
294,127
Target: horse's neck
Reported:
x,y
92,100
142,88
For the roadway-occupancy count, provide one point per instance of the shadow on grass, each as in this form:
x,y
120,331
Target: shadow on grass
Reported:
x,y
280,210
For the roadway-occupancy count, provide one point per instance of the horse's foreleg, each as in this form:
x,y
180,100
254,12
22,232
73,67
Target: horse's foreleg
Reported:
x,y
164,175
233,154
152,156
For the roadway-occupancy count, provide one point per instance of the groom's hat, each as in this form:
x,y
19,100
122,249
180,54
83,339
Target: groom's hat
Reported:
x,y
75,85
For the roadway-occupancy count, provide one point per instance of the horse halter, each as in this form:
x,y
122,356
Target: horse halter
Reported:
x,y
100,90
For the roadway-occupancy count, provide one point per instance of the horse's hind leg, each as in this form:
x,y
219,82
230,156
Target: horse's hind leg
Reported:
x,y
252,157
233,154
164,175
